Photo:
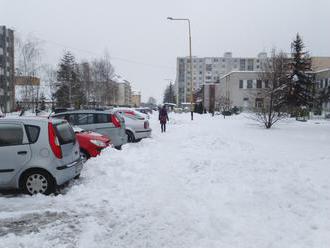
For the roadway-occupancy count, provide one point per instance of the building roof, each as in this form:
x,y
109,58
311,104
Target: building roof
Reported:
x,y
232,72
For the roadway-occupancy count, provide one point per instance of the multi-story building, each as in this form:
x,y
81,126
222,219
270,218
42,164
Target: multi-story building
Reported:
x,y
7,69
136,99
237,78
124,93
209,70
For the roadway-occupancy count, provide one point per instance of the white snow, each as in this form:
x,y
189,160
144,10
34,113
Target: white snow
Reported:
x,y
210,182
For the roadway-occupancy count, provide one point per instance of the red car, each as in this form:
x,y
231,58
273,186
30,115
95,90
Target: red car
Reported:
x,y
90,143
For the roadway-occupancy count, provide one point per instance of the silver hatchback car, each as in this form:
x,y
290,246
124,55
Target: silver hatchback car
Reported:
x,y
37,154
107,123
137,125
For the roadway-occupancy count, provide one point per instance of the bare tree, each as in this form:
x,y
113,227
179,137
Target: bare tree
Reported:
x,y
28,57
104,88
270,97
50,80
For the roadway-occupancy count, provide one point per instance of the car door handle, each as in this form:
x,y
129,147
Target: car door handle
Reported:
x,y
22,152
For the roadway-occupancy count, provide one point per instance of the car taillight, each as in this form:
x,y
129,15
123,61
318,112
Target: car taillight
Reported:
x,y
146,125
53,141
115,121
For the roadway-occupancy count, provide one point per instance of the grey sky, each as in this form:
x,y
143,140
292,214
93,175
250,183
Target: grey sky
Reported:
x,y
137,30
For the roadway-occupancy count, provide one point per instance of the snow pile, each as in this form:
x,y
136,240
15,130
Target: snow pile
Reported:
x,y
205,183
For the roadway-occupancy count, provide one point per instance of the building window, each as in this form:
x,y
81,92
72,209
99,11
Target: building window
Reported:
x,y
259,84
259,103
266,84
250,65
241,84
208,67
249,84
242,65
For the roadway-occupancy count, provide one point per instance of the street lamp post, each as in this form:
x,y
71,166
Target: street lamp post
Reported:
x,y
191,72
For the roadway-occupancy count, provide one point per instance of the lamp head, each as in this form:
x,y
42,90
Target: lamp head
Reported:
x,y
170,18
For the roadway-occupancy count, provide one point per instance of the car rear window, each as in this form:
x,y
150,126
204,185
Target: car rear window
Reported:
x,y
11,135
32,133
65,133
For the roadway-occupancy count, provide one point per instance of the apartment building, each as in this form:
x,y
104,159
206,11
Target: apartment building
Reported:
x,y
209,70
7,69
136,99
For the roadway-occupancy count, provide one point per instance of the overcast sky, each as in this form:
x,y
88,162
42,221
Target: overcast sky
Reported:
x,y
144,45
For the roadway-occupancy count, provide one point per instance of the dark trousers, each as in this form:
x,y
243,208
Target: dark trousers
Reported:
x,y
163,127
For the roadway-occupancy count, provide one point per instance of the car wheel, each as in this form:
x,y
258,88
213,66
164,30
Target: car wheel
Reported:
x,y
130,137
84,156
38,182
138,140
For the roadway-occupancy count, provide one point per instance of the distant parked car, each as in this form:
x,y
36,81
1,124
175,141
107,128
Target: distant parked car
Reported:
x,y
144,110
90,143
107,123
137,125
37,154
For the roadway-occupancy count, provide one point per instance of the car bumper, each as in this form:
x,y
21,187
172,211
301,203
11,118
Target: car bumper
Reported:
x,y
67,172
143,134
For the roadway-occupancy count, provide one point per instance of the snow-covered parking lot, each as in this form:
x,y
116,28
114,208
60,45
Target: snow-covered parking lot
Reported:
x,y
205,183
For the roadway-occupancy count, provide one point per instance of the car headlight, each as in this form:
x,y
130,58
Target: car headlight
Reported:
x,y
99,143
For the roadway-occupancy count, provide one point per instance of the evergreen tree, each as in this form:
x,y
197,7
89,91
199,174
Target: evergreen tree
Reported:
x,y
70,92
300,89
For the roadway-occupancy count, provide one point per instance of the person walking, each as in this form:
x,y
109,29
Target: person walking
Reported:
x,y
163,118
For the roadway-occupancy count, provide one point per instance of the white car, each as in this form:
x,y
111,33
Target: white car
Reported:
x,y
137,125
1,114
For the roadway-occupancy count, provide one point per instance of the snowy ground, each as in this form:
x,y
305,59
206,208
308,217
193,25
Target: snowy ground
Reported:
x,y
207,183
